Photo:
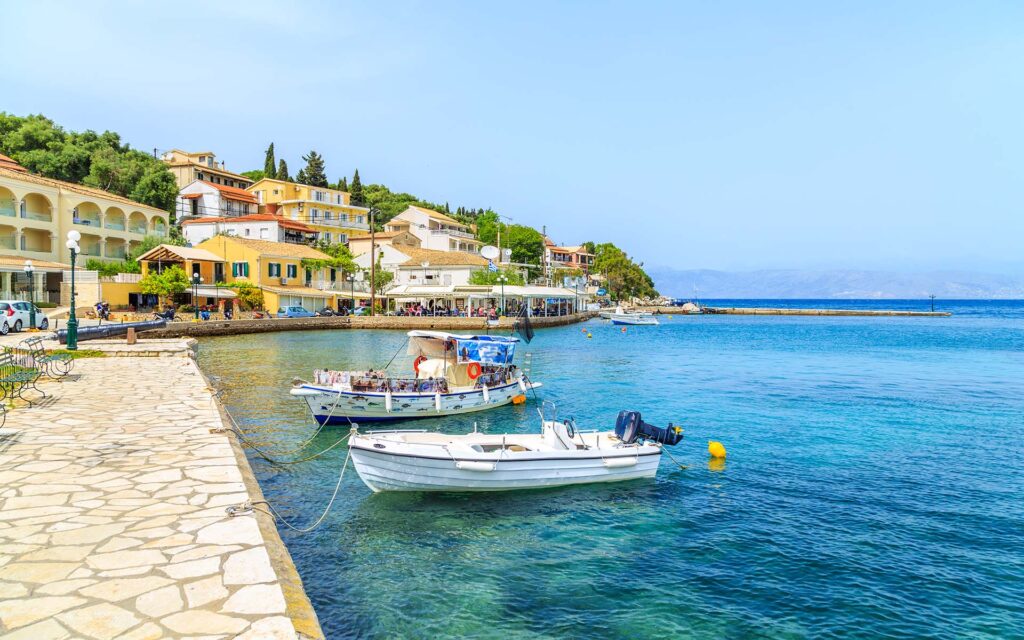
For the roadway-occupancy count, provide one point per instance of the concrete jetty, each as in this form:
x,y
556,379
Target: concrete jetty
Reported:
x,y
112,511
783,311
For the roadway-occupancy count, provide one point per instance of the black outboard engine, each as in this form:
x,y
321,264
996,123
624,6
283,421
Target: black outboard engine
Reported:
x,y
630,427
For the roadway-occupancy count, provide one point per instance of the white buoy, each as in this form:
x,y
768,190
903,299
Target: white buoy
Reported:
x,y
437,401
387,400
487,395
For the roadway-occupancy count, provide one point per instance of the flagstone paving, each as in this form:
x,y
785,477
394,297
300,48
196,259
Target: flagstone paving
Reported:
x,y
112,513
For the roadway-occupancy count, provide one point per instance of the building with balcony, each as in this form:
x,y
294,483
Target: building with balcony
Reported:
x,y
204,199
435,230
573,258
328,211
288,274
36,213
260,226
416,266
202,165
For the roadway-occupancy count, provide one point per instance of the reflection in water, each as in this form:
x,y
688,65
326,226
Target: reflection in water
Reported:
x,y
716,464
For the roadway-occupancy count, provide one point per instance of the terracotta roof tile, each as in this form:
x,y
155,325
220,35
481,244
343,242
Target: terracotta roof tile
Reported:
x,y
76,188
232,193
440,258
283,249
6,162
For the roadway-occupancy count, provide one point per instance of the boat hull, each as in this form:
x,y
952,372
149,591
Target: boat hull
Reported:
x,y
395,471
326,406
638,321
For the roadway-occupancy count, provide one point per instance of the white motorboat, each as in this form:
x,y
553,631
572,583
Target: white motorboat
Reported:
x,y
559,455
631,318
451,374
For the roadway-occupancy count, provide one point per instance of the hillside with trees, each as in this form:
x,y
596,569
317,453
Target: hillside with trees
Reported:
x,y
99,160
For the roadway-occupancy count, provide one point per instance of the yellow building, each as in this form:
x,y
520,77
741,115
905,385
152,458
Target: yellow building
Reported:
x,y
201,165
278,268
36,214
329,211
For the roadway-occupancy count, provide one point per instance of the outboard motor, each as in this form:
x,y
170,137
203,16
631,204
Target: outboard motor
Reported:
x,y
630,427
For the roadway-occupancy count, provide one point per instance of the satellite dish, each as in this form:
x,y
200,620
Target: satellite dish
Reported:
x,y
489,252
508,253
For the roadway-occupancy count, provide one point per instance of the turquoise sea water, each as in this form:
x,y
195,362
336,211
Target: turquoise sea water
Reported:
x,y
874,485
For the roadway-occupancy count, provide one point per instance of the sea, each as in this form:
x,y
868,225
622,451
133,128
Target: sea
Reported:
x,y
873,485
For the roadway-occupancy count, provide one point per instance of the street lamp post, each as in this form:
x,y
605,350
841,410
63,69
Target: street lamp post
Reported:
x,y
352,288
72,244
196,280
502,278
30,272
576,296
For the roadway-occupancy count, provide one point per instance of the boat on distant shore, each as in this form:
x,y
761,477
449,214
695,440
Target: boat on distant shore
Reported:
x,y
419,460
452,374
619,316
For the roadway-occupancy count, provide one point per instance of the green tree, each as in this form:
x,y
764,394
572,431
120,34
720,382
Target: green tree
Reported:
x,y
313,173
269,164
171,281
282,170
249,295
526,243
343,184
381,278
255,175
157,188
356,191
340,257
625,278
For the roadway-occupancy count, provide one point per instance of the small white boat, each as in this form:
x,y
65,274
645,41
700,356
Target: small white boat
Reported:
x,y
559,455
632,318
451,374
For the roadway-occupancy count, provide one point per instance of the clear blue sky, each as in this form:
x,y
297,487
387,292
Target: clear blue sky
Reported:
x,y
696,135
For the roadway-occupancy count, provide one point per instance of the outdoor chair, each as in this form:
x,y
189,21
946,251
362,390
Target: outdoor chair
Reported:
x,y
15,376
53,366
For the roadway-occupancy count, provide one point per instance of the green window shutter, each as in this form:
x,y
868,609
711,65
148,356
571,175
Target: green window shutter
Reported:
x,y
246,267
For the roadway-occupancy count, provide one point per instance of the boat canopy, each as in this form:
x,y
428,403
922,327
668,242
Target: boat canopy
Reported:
x,y
495,350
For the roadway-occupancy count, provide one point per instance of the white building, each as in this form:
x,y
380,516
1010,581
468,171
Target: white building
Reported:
x,y
436,231
415,266
202,199
259,226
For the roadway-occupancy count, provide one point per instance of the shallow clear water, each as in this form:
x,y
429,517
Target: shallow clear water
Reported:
x,y
874,485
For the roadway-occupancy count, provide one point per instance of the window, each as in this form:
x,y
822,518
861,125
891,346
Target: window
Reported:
x,y
359,219
314,214
293,271
274,269
276,192
247,231
264,233
343,238
240,269
327,237
328,215
343,217
334,275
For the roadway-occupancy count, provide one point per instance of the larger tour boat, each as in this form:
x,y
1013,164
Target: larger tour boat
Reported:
x,y
451,374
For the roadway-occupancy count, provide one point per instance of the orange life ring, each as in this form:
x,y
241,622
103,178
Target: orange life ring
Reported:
x,y
474,370
417,362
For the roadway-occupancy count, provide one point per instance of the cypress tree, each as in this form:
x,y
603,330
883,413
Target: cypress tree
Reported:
x,y
269,170
282,170
446,209
313,173
356,190
343,184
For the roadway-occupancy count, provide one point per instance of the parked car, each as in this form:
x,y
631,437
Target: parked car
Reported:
x,y
294,312
326,311
17,316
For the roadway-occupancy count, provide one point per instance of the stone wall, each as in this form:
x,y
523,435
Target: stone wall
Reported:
x,y
400,323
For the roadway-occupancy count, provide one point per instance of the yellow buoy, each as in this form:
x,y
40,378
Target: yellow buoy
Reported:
x,y
590,335
716,449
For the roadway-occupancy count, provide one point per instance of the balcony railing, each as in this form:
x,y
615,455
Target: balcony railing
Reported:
x,y
341,224
88,222
116,252
7,243
452,232
39,215
341,286
134,228
9,212
116,226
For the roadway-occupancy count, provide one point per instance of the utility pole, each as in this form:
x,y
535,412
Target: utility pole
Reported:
x,y
373,265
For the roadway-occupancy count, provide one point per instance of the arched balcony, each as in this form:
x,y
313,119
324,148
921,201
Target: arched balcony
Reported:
x,y
8,203
36,206
137,222
36,240
8,241
88,214
158,226
91,245
114,219
116,248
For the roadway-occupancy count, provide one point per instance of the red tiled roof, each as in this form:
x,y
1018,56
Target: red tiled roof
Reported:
x,y
256,217
233,193
9,163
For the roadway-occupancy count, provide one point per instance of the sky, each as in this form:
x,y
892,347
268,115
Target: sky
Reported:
x,y
718,135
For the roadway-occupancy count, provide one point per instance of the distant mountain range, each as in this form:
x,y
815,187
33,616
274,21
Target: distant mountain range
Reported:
x,y
843,284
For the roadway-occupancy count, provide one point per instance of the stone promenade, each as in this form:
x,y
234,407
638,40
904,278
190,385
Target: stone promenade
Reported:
x,y
112,515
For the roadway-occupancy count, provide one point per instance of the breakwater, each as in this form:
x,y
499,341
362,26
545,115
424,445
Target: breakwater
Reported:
x,y
782,311
406,323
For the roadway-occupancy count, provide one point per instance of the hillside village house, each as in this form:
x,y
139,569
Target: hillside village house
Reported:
x,y
209,267
261,226
202,165
397,239
423,267
435,230
203,199
574,257
277,268
328,211
36,213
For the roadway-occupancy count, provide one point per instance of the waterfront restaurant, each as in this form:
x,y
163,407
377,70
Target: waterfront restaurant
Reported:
x,y
474,300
